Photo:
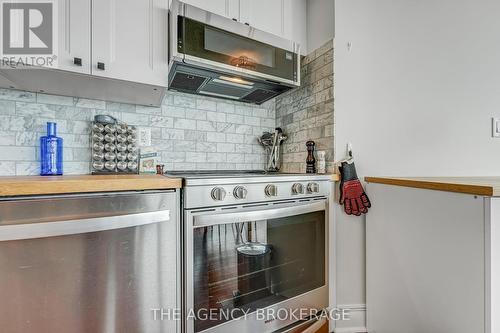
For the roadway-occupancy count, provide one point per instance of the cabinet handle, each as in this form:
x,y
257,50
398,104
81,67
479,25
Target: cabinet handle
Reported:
x,y
77,61
100,65
235,20
246,23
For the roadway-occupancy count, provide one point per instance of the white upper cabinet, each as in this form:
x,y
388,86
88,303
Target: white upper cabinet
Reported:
x,y
284,18
6,83
226,8
265,15
129,40
74,36
295,23
73,43
214,6
233,9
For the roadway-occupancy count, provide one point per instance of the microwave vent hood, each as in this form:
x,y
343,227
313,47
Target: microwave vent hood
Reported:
x,y
214,56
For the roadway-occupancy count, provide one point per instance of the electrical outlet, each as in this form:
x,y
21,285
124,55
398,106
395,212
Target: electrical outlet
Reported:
x,y
144,136
495,127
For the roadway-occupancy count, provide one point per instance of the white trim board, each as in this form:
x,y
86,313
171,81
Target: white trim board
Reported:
x,y
357,322
350,330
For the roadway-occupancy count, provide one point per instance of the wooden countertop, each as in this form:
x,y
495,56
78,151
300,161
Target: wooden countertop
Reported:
x,y
38,185
484,186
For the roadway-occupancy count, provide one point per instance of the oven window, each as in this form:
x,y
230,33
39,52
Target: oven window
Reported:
x,y
242,267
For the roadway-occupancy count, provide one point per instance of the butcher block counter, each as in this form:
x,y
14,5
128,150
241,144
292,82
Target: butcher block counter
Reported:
x,y
38,185
484,186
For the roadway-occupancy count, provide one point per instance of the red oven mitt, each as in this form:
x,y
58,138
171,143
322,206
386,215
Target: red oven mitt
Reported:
x,y
352,194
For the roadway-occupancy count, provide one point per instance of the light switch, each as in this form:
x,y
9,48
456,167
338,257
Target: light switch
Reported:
x,y
495,127
144,136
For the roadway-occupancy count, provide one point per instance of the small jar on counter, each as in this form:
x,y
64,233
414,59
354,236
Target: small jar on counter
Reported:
x,y
321,161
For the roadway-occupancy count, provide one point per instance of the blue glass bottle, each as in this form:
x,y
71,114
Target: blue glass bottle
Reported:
x,y
51,149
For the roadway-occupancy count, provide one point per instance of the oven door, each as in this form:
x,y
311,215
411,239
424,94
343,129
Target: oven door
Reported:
x,y
244,262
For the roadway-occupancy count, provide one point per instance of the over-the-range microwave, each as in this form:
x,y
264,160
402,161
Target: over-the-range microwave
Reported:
x,y
215,56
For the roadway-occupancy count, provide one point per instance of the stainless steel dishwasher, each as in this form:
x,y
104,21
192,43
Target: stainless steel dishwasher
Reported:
x,y
89,263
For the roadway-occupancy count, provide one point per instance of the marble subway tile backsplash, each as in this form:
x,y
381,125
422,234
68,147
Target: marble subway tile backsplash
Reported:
x,y
306,113
190,132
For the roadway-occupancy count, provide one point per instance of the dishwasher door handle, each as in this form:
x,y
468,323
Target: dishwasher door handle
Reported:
x,y
79,226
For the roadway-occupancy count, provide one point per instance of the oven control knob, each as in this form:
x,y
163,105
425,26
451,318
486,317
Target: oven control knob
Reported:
x,y
297,188
218,193
271,190
240,192
313,187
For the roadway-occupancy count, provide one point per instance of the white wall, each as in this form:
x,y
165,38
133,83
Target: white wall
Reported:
x,y
320,23
414,96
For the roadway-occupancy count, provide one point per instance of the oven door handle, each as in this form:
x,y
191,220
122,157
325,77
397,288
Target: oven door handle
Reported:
x,y
264,214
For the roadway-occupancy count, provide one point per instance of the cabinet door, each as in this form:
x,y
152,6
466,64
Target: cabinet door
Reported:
x,y
6,83
213,6
74,36
295,23
265,15
129,40
427,248
233,9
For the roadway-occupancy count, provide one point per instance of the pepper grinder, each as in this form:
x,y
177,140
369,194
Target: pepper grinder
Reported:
x,y
310,160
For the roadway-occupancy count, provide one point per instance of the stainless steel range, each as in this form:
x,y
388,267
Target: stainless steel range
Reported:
x,y
254,243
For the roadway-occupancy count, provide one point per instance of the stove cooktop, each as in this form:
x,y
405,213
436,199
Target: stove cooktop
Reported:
x,y
214,177
209,174
218,173
218,188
